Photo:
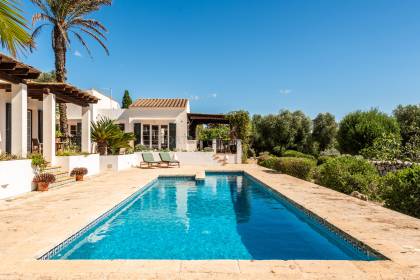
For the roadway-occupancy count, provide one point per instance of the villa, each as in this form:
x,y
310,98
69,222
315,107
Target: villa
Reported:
x,y
272,225
28,124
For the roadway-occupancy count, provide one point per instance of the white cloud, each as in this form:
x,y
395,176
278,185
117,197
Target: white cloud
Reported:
x,y
194,97
77,53
285,91
214,95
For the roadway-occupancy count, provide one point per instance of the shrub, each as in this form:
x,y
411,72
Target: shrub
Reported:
x,y
38,161
358,130
292,153
269,162
44,178
298,167
79,171
347,174
327,154
7,156
385,147
141,148
401,190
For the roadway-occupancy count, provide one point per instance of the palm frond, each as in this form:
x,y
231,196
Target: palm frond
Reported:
x,y
13,34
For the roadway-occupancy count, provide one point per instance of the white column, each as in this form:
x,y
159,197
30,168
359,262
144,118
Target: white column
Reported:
x,y
214,145
86,119
48,127
19,119
238,151
2,120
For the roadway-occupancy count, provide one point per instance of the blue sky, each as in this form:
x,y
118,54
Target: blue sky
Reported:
x,y
258,55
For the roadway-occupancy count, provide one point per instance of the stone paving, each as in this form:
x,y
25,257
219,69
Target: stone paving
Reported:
x,y
33,223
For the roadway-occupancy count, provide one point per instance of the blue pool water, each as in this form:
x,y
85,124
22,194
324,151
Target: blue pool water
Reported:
x,y
228,216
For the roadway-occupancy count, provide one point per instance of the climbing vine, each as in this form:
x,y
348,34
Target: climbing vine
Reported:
x,y
240,125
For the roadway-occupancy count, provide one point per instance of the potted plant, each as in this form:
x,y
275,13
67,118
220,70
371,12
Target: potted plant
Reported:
x,y
38,162
79,172
43,180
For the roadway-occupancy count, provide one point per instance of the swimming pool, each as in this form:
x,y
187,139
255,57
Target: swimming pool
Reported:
x,y
227,216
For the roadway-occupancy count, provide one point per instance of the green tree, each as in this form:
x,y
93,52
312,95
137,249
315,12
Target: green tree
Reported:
x,y
286,130
126,101
359,129
13,33
324,130
218,131
47,77
68,17
408,118
240,127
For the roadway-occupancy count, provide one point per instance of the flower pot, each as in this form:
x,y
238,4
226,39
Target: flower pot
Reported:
x,y
79,177
42,186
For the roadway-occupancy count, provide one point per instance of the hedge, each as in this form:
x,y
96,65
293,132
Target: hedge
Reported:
x,y
347,174
401,190
298,167
292,153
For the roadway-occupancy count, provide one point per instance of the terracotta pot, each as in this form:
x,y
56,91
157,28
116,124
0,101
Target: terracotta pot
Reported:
x,y
42,186
79,177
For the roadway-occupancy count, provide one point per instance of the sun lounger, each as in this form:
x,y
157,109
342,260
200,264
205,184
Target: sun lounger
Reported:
x,y
149,160
165,157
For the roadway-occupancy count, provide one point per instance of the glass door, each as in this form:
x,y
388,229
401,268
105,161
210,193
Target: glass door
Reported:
x,y
164,133
155,136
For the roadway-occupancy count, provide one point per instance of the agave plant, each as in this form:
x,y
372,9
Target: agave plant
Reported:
x,y
103,131
121,141
108,136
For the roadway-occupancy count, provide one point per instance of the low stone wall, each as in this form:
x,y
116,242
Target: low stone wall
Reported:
x,y
91,162
384,167
15,177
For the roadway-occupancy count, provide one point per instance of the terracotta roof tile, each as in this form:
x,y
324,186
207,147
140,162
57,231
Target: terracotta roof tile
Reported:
x,y
160,103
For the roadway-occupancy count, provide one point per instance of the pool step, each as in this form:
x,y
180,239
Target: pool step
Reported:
x,y
200,176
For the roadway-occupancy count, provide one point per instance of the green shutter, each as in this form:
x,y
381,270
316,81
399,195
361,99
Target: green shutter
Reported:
x,y
172,136
137,133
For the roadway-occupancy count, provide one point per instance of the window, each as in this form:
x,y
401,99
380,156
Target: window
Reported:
x,y
73,130
155,136
164,136
146,135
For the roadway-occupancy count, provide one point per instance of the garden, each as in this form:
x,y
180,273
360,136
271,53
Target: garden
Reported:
x,y
368,154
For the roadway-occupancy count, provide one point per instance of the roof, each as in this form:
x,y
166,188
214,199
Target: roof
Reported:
x,y
199,118
160,103
14,71
64,92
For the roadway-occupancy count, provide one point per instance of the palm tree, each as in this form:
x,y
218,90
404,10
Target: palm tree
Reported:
x,y
13,35
68,17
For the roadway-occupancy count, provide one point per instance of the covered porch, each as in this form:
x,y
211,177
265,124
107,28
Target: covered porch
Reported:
x,y
28,110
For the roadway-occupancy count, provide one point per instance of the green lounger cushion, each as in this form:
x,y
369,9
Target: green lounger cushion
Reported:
x,y
148,157
166,157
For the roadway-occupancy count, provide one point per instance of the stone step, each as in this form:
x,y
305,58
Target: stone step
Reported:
x,y
50,169
63,181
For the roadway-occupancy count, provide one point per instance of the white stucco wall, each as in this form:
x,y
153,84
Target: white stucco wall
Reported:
x,y
117,162
15,177
74,112
91,162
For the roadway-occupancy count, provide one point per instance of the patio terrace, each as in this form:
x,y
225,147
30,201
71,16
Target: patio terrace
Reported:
x,y
33,223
